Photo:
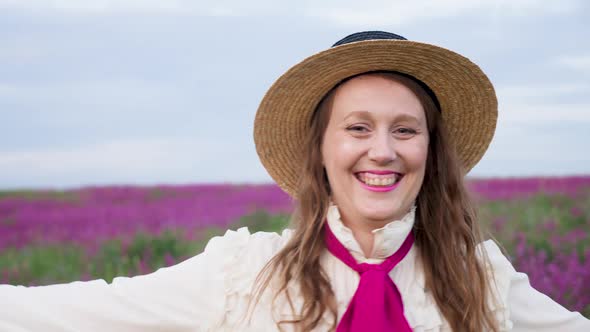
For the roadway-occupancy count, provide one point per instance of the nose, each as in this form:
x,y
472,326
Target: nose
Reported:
x,y
382,149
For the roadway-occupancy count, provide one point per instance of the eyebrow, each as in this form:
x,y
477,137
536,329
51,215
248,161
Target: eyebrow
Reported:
x,y
367,114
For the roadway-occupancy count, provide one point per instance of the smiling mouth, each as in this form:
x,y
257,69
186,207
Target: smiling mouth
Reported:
x,y
379,180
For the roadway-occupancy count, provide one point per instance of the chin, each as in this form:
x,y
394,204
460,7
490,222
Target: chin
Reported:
x,y
391,214
381,216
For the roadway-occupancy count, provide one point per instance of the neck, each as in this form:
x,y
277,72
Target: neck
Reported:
x,y
365,239
362,230
369,238
363,233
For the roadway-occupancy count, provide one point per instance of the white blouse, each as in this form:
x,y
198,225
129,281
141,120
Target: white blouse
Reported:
x,y
210,292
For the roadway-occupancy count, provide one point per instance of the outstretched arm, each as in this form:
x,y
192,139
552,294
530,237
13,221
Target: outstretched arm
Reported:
x,y
530,310
186,297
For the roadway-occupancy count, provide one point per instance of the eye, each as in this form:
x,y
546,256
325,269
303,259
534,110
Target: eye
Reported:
x,y
405,131
359,129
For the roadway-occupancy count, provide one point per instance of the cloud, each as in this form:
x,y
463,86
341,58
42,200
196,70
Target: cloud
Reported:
x,y
153,160
535,140
526,114
347,12
112,91
387,12
95,6
533,91
124,156
575,62
79,92
544,103
21,52
183,7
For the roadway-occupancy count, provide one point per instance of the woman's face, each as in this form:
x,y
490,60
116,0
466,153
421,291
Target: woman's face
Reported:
x,y
374,150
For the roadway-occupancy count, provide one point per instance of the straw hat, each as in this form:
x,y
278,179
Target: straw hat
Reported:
x,y
465,94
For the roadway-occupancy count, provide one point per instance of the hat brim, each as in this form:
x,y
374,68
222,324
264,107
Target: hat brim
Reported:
x,y
466,96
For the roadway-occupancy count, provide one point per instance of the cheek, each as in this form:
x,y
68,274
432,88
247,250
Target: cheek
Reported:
x,y
415,156
340,153
415,160
331,156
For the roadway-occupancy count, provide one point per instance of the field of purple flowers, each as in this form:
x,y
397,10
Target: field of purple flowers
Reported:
x,y
59,236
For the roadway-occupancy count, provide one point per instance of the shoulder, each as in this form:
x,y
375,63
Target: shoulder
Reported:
x,y
241,255
496,261
243,243
498,266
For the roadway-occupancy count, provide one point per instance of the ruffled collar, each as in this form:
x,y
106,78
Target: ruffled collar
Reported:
x,y
388,238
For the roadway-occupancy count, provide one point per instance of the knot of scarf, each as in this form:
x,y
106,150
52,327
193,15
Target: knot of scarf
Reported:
x,y
377,303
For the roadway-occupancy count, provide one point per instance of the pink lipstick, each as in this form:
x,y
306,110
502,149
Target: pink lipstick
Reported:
x,y
380,188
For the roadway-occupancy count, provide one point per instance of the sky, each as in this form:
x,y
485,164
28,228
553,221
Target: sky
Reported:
x,y
165,91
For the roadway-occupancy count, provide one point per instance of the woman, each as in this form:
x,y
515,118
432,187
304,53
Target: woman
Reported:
x,y
372,137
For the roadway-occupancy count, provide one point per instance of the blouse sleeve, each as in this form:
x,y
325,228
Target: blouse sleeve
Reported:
x,y
529,309
189,296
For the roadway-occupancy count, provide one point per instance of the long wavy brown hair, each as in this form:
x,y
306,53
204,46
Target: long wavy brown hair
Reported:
x,y
446,231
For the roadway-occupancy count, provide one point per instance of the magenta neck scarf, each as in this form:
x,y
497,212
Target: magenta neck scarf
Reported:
x,y
377,304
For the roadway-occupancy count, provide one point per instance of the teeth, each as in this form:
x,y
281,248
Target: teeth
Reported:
x,y
377,181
